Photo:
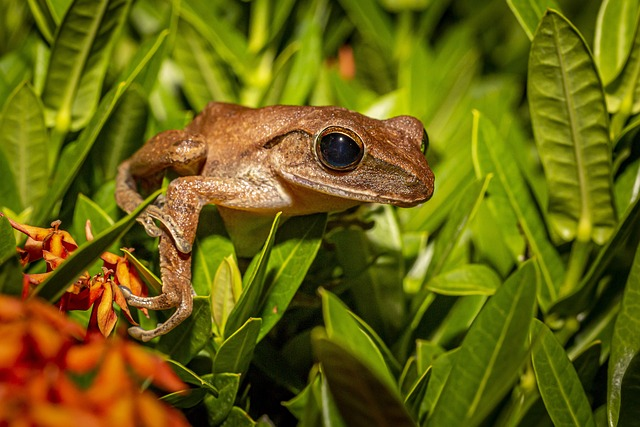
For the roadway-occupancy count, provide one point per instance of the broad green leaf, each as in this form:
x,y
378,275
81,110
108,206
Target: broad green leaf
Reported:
x,y
415,397
440,370
470,279
60,279
558,382
342,328
209,251
75,153
297,243
361,396
79,60
238,418
219,406
190,336
571,128
458,320
492,155
253,285
205,77
24,141
87,210
371,21
529,13
615,29
630,393
225,291
190,377
625,343
236,352
491,354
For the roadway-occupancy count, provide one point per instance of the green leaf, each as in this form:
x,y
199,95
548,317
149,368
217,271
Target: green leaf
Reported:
x,y
75,153
297,243
371,21
185,341
491,354
225,291
342,328
205,76
9,197
236,352
153,283
79,60
209,252
219,407
529,12
571,128
440,371
470,279
625,343
458,320
492,155
361,396
238,418
558,381
10,269
623,93
45,18
88,210
60,279
24,140
253,284
630,393
190,377
615,29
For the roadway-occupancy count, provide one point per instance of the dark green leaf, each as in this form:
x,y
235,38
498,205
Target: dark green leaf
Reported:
x,y
529,13
558,382
571,128
236,352
630,393
360,395
9,197
623,93
372,23
625,343
45,18
220,406
60,279
10,270
491,354
190,336
470,279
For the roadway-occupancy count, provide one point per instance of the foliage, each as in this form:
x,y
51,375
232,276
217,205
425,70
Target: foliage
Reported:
x,y
510,298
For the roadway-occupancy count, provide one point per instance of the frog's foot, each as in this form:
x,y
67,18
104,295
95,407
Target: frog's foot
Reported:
x,y
154,212
161,302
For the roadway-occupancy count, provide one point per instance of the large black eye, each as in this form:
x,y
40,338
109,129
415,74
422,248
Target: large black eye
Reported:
x,y
425,142
339,149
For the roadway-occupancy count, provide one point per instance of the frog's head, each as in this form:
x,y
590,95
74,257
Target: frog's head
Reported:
x,y
342,154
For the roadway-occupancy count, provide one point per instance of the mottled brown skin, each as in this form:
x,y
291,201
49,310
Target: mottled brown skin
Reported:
x,y
253,163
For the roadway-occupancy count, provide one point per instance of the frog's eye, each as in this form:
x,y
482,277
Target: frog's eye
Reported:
x,y
424,145
339,149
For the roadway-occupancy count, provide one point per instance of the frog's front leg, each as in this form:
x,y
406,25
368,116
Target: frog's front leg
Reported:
x,y
181,151
184,200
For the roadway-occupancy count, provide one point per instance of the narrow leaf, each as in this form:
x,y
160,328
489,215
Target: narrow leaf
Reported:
x,y
571,128
45,18
615,28
24,141
79,60
491,354
10,269
236,352
529,12
470,279
9,197
492,155
625,343
623,93
60,279
371,21
225,291
558,381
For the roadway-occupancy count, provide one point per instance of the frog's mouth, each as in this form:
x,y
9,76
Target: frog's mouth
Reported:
x,y
404,196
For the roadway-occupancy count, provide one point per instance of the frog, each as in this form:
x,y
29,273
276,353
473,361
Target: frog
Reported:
x,y
253,163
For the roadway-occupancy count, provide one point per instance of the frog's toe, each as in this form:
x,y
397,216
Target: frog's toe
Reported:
x,y
149,226
141,334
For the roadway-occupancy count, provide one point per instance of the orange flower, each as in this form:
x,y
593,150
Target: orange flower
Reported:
x,y
99,291
41,347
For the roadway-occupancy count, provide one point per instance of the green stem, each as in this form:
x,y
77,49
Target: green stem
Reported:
x,y
577,261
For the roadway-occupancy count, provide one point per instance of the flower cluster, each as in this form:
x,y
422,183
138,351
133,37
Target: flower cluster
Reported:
x,y
50,376
99,291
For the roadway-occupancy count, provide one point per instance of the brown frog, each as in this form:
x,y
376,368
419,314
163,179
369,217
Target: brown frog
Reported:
x,y
253,163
